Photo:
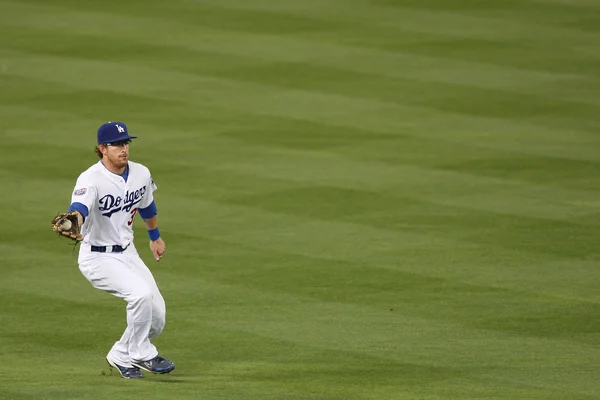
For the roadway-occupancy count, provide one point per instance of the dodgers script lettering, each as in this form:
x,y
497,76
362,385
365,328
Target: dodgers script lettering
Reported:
x,y
110,204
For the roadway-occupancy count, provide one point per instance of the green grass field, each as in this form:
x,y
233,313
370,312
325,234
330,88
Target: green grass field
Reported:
x,y
362,199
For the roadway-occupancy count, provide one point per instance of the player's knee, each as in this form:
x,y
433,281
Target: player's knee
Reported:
x,y
158,325
160,317
159,308
142,298
158,322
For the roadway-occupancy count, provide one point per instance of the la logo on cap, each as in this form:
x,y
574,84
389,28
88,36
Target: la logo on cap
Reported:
x,y
120,128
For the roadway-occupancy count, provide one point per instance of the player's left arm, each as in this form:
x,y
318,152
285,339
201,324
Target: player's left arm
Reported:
x,y
148,212
157,245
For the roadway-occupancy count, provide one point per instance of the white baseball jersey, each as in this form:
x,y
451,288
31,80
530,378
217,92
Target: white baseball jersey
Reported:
x,y
112,202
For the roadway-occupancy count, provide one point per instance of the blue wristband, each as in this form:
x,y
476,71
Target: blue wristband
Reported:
x,y
154,234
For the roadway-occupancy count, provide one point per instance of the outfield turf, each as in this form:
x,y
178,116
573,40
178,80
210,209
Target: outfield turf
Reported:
x,y
362,199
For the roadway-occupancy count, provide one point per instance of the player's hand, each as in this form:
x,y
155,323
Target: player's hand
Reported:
x,y
158,248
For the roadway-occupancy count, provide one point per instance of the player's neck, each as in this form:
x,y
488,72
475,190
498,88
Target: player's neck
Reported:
x,y
113,168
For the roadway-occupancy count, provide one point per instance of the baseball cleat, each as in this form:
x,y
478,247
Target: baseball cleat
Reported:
x,y
126,372
157,365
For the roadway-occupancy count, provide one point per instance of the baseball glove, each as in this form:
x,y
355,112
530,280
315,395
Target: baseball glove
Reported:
x,y
67,224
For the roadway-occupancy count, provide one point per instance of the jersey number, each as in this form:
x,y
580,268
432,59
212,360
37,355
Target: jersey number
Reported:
x,y
133,212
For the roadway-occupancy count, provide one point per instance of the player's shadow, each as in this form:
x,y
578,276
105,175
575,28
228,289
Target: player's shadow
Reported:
x,y
168,380
152,378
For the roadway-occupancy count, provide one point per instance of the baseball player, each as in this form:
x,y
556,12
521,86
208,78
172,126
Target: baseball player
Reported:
x,y
104,203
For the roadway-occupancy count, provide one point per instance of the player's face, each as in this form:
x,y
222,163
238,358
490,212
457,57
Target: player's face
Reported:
x,y
117,154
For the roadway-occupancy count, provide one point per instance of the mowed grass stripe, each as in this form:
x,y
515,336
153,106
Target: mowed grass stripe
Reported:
x,y
433,255
381,185
185,87
404,291
461,186
494,152
478,265
480,32
419,90
390,63
381,118
549,13
358,237
427,95
484,79
556,23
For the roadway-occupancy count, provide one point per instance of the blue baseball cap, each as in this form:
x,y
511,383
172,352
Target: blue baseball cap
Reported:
x,y
111,132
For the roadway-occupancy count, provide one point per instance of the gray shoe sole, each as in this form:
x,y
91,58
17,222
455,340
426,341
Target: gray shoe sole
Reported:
x,y
113,365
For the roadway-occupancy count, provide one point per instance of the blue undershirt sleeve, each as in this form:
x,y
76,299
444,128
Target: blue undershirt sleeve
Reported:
x,y
82,208
149,211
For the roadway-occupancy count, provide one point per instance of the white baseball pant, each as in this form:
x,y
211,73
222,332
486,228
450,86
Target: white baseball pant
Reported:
x,y
125,275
